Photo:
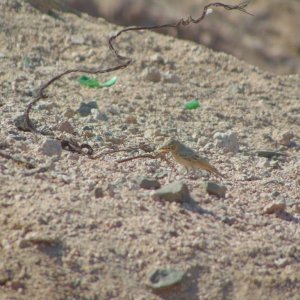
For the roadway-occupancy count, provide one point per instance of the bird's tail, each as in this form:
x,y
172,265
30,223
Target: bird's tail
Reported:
x,y
208,167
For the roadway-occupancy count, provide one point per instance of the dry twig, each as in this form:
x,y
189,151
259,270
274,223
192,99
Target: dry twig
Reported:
x,y
126,61
27,164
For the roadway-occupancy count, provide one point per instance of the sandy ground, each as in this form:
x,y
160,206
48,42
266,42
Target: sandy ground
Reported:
x,y
83,228
269,39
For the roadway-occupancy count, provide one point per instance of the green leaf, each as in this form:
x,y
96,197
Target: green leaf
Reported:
x,y
94,83
194,104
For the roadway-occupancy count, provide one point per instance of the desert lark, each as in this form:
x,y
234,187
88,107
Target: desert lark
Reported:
x,y
188,158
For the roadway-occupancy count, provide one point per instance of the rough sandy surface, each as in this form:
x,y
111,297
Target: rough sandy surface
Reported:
x,y
59,241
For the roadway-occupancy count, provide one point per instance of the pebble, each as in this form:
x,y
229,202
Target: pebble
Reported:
x,y
228,220
77,40
148,183
228,141
263,163
176,191
286,138
275,194
281,262
216,189
4,276
151,74
164,278
69,113
171,78
66,126
85,109
98,192
37,238
157,58
131,119
51,147
20,123
275,207
98,116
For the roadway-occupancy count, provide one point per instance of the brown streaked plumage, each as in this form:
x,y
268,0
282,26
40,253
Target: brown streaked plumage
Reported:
x,y
188,158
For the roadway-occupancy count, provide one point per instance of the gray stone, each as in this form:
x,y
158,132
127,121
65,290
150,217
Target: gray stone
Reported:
x,y
164,278
77,40
98,192
51,147
263,163
171,78
151,74
37,238
21,125
275,194
66,126
157,58
281,262
228,141
176,191
85,109
275,207
216,189
69,113
98,116
148,183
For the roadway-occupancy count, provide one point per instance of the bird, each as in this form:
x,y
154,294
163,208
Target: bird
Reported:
x,y
188,157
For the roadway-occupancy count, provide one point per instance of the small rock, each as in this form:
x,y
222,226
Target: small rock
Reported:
x,y
263,163
21,125
216,189
228,220
274,164
164,278
85,109
281,262
131,119
97,115
98,192
171,78
275,194
151,74
51,147
77,40
237,89
275,207
69,113
286,139
148,183
66,127
5,276
228,141
37,238
157,58
176,191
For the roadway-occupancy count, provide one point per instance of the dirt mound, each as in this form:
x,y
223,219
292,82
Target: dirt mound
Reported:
x,y
73,227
